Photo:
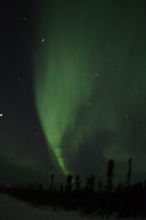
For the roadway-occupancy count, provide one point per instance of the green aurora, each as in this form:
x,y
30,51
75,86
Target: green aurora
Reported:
x,y
89,79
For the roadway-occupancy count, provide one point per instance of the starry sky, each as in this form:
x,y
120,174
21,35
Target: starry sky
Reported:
x,y
72,85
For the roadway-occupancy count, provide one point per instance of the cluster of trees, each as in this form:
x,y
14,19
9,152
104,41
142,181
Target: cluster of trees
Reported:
x,y
126,200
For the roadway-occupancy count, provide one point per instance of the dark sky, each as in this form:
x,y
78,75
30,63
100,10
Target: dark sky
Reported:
x,y
72,85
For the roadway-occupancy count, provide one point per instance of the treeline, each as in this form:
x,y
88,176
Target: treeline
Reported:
x,y
125,200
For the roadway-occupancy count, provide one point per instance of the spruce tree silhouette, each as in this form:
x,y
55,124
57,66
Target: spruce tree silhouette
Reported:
x,y
99,186
92,183
88,182
69,183
110,175
61,188
52,186
77,183
129,172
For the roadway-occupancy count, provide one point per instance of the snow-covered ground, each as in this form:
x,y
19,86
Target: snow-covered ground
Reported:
x,y
12,209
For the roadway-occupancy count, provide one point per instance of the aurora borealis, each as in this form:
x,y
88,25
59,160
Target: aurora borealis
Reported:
x,y
85,80
74,89
65,84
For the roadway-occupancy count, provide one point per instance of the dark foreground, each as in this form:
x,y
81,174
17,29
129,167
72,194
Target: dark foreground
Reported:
x,y
125,201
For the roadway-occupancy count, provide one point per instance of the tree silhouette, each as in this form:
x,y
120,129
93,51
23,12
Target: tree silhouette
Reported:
x,y
61,187
52,186
92,182
127,202
110,175
129,172
77,183
69,183
99,186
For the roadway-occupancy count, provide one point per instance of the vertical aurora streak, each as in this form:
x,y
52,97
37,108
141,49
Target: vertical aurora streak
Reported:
x,y
62,81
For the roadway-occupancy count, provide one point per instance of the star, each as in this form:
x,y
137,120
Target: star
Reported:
x,y
43,40
1,115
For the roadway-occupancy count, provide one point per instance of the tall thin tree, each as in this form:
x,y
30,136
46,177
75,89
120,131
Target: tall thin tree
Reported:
x,y
110,175
129,172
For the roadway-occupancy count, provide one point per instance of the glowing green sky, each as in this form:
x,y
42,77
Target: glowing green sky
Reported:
x,y
89,81
73,89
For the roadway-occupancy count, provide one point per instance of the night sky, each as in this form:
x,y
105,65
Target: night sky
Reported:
x,y
73,89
